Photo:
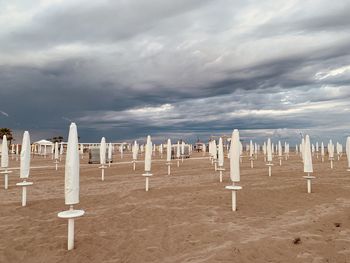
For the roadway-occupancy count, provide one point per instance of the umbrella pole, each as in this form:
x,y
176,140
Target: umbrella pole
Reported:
x,y
6,181
24,196
70,214
234,204
134,165
71,231
147,175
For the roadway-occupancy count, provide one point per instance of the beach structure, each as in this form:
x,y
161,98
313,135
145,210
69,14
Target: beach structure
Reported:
x,y
103,157
308,168
25,167
168,155
71,184
234,167
5,161
148,162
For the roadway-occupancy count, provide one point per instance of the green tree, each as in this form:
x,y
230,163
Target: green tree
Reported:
x,y
8,133
57,139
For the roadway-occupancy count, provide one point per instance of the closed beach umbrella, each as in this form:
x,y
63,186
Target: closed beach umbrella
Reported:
x,y
56,150
348,150
279,149
251,149
215,150
4,153
168,151
307,156
71,179
178,150
135,151
235,156
221,153
103,151
61,149
269,150
110,152
148,154
183,148
25,156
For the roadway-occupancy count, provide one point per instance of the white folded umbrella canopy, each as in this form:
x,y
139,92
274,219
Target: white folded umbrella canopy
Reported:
x,y
103,151
56,150
221,153
161,148
4,153
178,150
110,152
215,150
235,156
182,148
61,149
279,149
307,156
348,150
25,156
168,151
71,176
269,150
330,149
135,150
251,149
148,154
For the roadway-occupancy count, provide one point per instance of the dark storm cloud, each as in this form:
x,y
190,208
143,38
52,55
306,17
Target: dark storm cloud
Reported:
x,y
123,69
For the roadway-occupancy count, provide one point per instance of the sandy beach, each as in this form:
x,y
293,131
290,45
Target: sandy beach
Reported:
x,y
185,217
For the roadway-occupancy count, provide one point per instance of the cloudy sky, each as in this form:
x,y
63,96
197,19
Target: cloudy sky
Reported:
x,y
186,68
